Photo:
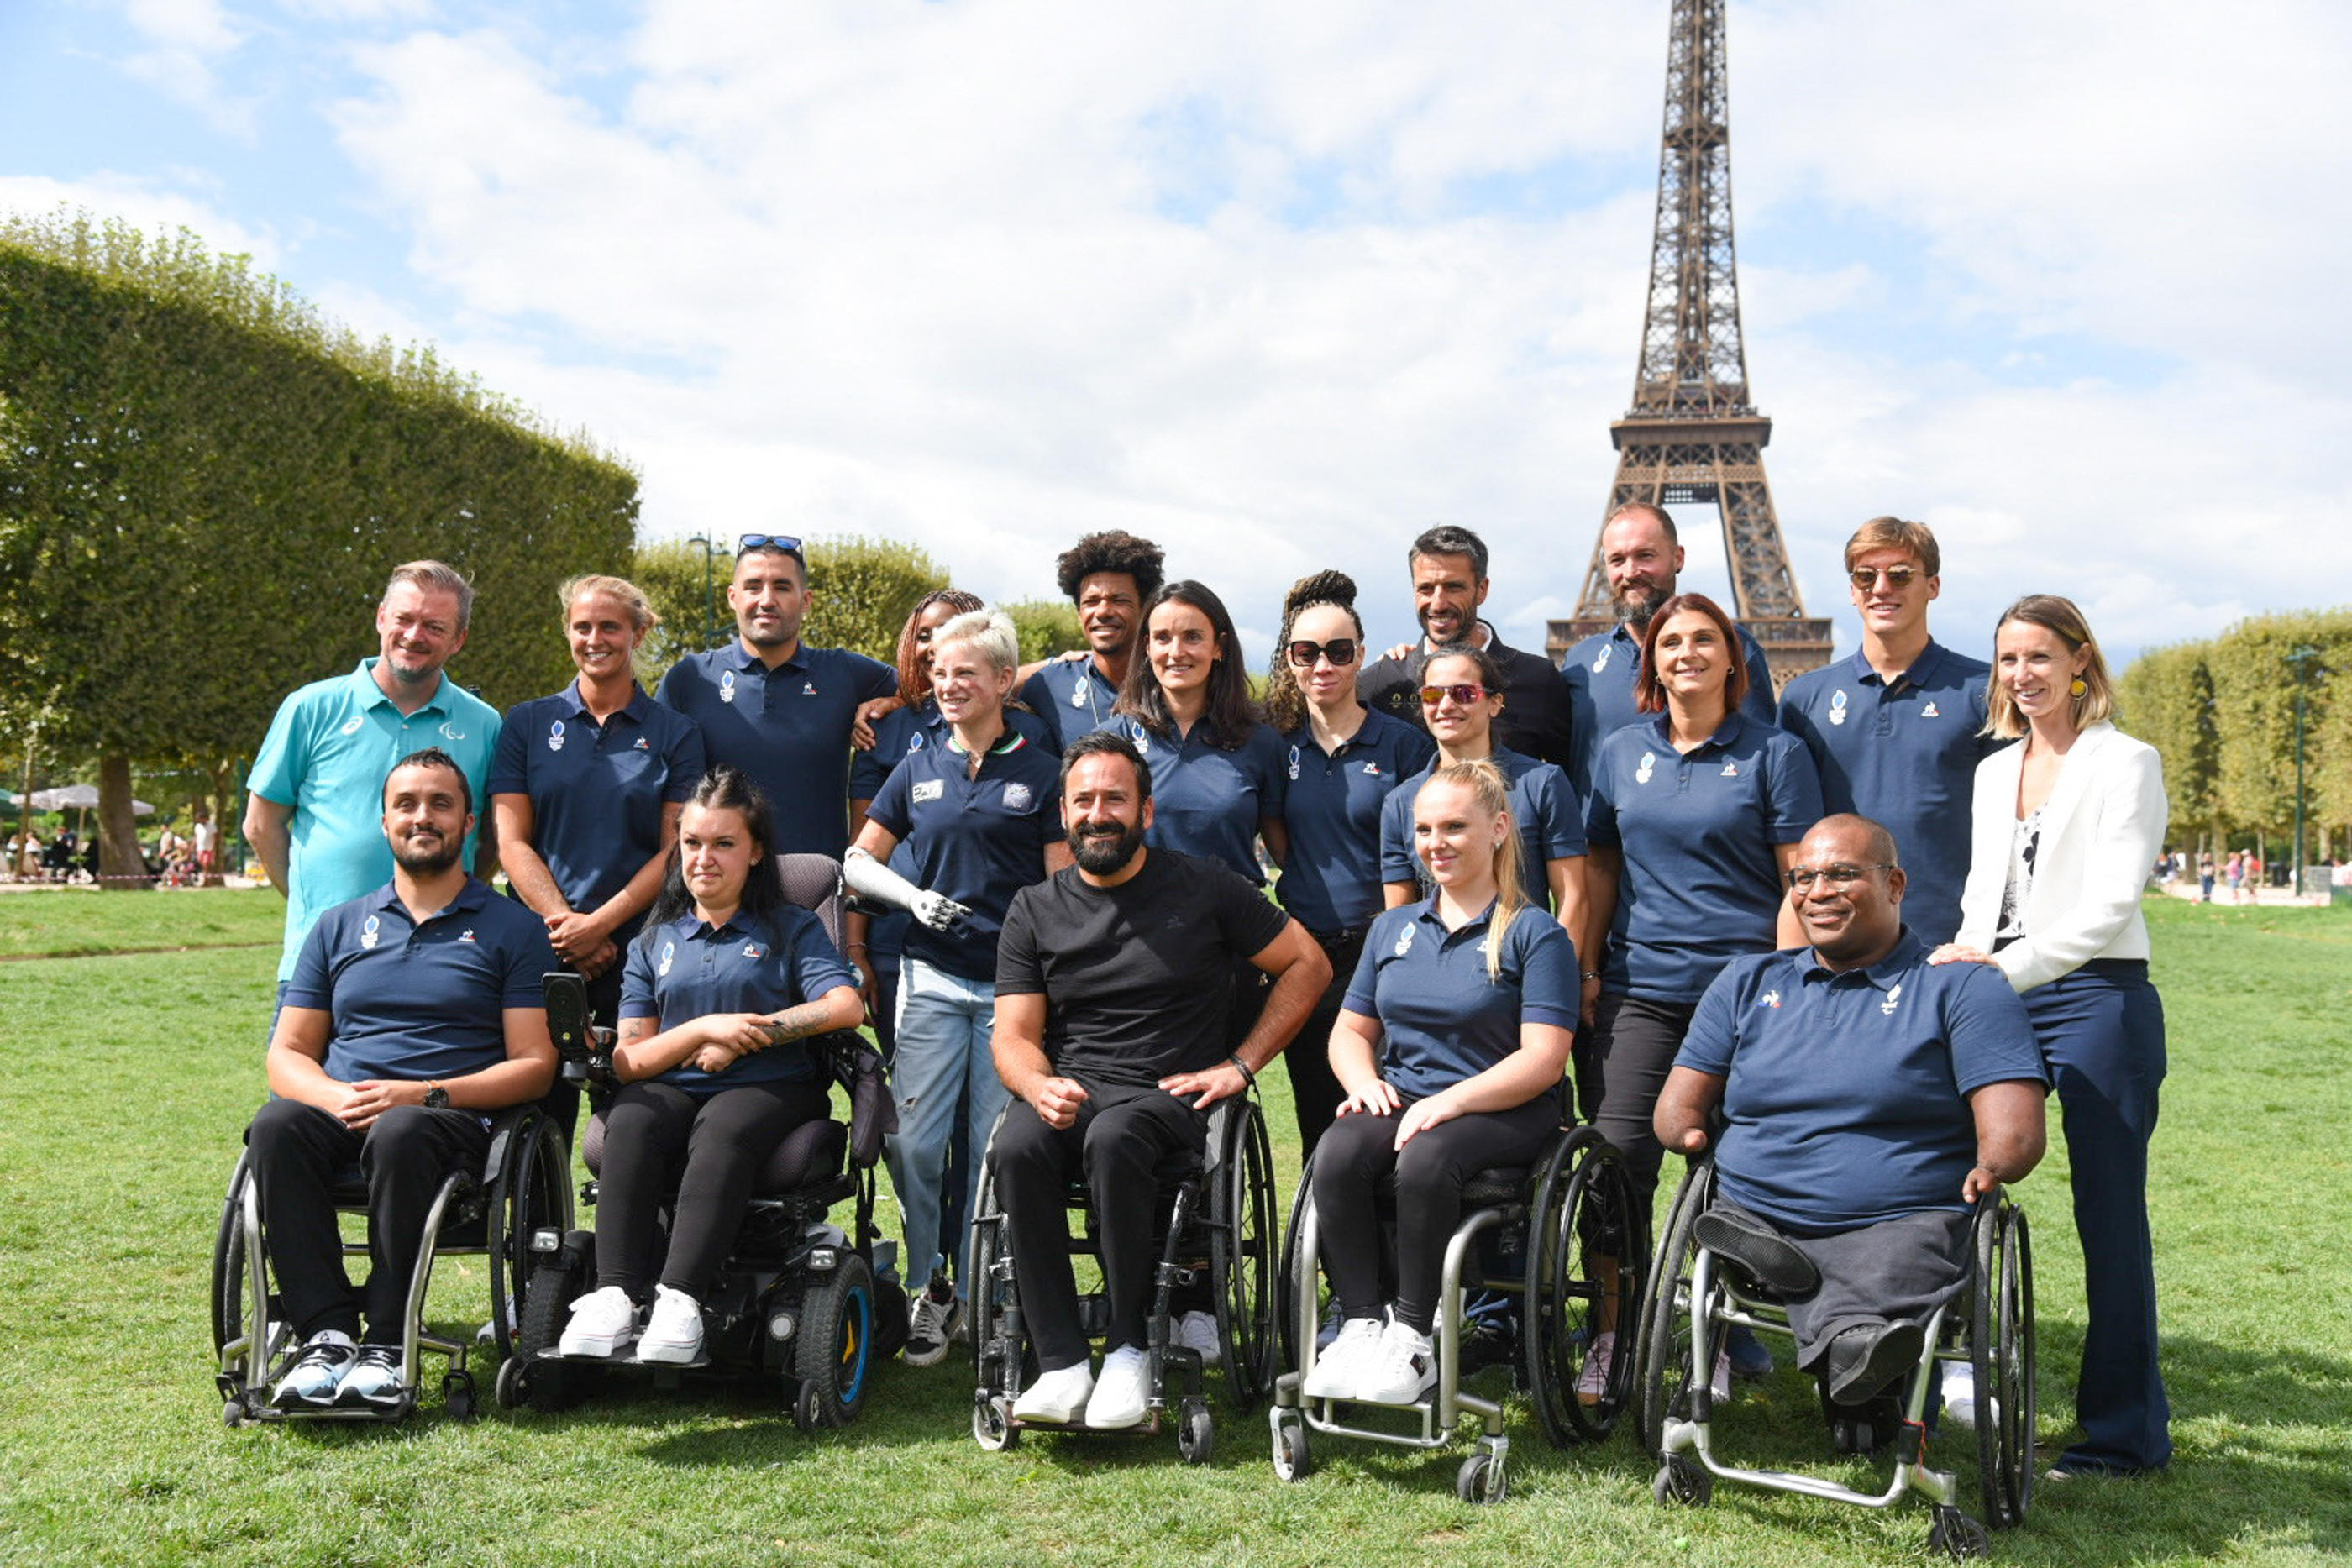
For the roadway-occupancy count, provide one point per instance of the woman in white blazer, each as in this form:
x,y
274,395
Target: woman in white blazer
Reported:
x,y
2065,828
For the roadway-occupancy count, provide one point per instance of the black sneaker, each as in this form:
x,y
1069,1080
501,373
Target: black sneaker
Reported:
x,y
931,1322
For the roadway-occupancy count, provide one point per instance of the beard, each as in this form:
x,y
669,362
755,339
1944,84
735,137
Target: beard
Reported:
x,y
418,860
1638,602
1103,849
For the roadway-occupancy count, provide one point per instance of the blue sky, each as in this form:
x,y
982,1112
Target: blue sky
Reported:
x,y
1281,286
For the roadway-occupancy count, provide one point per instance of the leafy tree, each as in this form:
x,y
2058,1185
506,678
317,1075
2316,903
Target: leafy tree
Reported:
x,y
691,605
2253,701
864,591
2167,699
1047,627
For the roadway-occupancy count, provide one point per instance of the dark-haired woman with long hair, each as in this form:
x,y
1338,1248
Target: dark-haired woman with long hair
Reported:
x,y
721,987
1341,759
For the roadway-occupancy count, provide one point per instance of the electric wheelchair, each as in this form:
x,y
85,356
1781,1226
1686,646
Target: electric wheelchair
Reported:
x,y
1695,1295
522,1189
1523,1241
800,1298
1214,1227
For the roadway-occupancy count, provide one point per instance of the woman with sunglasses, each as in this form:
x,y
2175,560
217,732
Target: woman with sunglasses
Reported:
x,y
1694,816
586,786
1342,761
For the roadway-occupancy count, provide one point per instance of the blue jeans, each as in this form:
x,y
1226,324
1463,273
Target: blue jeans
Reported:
x,y
943,1067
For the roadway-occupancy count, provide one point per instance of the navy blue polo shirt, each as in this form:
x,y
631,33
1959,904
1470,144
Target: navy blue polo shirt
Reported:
x,y
1845,1096
1701,883
788,729
1600,672
1903,753
683,970
1209,801
414,1001
1072,697
1441,1019
1543,804
977,840
597,791
1331,803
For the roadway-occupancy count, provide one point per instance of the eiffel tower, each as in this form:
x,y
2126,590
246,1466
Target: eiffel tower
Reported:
x,y
1692,434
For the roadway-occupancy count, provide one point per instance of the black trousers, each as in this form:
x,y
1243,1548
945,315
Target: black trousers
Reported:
x,y
1358,1155
1632,1051
299,1153
1894,1270
710,1148
1315,1093
1123,1138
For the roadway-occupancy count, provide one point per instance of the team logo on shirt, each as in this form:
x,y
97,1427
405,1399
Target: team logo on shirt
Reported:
x,y
727,685
641,744
1372,770
1731,770
1837,706
930,790
555,735
1293,765
669,956
1141,736
467,935
1078,694
451,732
1601,660
1930,711
1017,797
1404,941
1768,999
1649,765
914,743
1894,994
370,934
753,950
351,725
808,688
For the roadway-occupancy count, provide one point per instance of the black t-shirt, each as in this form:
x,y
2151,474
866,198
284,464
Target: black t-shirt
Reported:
x,y
1137,978
1535,717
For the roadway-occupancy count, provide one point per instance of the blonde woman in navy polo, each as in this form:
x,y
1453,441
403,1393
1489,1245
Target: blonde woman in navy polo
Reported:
x,y
1451,1047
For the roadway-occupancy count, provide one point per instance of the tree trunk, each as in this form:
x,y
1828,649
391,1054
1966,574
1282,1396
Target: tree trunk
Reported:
x,y
121,867
223,780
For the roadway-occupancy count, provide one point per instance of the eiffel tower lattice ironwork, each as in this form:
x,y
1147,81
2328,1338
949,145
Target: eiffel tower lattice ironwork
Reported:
x,y
1693,434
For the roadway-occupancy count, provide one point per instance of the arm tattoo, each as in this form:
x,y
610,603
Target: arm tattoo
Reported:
x,y
635,1029
797,1023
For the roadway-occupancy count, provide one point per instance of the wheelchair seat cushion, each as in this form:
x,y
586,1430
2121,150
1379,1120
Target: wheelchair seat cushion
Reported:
x,y
1504,1184
809,1153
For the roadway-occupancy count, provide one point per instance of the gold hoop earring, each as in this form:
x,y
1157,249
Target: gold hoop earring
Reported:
x,y
2079,688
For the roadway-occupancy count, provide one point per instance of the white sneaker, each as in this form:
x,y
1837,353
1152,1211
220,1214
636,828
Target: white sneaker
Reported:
x,y
1960,1393
373,1379
1401,1371
602,1322
1057,1396
1592,1379
1339,1370
1198,1331
318,1371
1719,1386
673,1329
1121,1393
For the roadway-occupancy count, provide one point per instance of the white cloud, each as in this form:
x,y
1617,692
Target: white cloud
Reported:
x,y
143,203
186,41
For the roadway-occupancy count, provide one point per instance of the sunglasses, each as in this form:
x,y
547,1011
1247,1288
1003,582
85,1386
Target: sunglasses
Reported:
x,y
1341,651
784,542
1463,695
1839,877
1897,576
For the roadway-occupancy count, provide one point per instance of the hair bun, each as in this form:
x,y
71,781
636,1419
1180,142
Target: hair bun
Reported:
x,y
1321,588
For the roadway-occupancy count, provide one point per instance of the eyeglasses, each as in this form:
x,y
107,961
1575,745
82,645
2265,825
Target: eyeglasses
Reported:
x,y
1897,576
784,542
1463,695
1341,651
1838,877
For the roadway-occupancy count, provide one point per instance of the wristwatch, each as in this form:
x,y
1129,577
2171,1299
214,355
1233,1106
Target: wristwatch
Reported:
x,y
436,1097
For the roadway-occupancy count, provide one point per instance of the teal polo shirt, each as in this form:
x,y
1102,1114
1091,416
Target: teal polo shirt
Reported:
x,y
327,755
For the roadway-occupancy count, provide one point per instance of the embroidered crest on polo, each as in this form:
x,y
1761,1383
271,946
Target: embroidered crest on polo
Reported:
x,y
1139,736
370,934
1894,994
1730,768
914,743
1649,765
1404,940
1768,999
467,935
1930,711
1078,692
727,685
1372,770
351,725
669,956
753,950
928,790
1293,765
643,744
1018,796
555,735
451,732
808,688
1837,705
1601,660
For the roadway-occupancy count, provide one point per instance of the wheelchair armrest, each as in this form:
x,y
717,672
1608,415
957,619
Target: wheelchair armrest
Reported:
x,y
568,1020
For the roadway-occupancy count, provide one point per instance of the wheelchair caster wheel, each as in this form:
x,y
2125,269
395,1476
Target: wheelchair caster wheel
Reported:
x,y
232,1411
1957,1536
457,1396
512,1389
808,1408
1196,1432
1291,1461
1480,1480
992,1423
1681,1482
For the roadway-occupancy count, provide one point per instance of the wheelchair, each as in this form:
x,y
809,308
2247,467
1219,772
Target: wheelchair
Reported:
x,y
1216,1226
524,1188
1524,1237
800,1298
1989,1329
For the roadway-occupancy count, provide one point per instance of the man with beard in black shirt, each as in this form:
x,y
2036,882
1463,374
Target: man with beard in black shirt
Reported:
x,y
1113,979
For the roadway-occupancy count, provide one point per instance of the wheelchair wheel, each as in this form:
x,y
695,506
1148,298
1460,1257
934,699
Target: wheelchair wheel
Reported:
x,y
1286,1281
1242,1247
555,1284
531,1190
229,1264
996,1364
2001,1355
835,1359
1665,1317
1582,1204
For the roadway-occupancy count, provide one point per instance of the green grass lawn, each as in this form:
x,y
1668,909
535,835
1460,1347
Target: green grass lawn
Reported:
x,y
126,1080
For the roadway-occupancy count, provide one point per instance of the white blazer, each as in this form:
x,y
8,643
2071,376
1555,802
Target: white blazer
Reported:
x,y
2102,829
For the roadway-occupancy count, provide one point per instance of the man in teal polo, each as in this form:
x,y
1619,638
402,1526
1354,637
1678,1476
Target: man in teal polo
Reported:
x,y
313,813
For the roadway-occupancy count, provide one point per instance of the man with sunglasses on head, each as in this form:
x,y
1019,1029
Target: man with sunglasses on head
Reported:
x,y
1449,584
1896,731
776,708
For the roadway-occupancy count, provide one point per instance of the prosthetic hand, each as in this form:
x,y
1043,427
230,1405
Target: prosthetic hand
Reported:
x,y
879,883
